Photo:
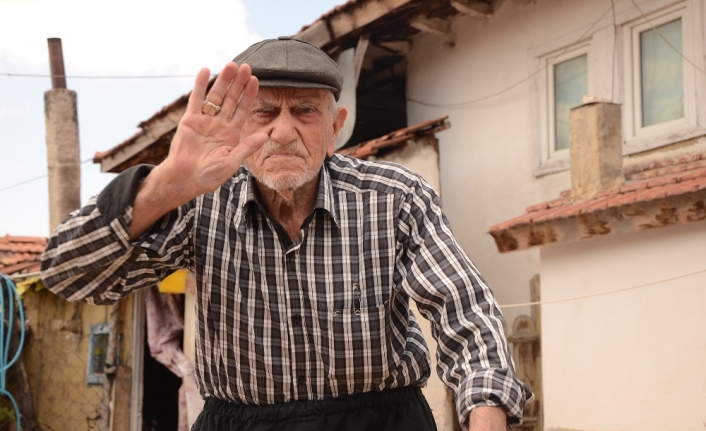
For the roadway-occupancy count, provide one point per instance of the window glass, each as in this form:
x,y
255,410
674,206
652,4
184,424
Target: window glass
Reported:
x,y
661,74
570,85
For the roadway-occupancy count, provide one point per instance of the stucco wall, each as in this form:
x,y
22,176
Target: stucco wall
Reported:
x,y
633,360
55,356
487,155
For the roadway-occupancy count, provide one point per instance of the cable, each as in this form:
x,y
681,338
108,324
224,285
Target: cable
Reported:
x,y
665,39
34,179
609,292
522,81
13,300
31,75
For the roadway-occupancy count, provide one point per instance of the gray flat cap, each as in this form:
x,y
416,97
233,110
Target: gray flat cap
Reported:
x,y
292,63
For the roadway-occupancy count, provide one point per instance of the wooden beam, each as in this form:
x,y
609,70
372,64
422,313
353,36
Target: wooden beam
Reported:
x,y
400,46
437,26
360,49
473,8
341,23
316,34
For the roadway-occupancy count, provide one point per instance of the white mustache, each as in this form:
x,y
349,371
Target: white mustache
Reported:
x,y
271,147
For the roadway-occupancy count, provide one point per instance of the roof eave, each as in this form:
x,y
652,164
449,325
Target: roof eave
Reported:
x,y
596,218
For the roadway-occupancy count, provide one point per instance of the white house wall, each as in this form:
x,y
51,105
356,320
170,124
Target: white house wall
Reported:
x,y
487,154
632,360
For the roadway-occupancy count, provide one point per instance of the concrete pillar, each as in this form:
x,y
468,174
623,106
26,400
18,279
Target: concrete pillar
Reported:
x,y
596,149
63,157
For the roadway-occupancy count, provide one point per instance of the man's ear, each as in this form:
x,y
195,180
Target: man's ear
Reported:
x,y
338,121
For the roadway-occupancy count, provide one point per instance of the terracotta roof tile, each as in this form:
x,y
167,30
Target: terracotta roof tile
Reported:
x,y
370,148
648,182
20,253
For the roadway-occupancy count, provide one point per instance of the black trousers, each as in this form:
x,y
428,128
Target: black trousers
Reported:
x,y
390,410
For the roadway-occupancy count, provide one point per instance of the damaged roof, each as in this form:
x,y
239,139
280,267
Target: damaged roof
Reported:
x,y
371,148
388,24
655,194
20,254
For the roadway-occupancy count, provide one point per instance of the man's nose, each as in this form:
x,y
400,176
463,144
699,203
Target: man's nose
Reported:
x,y
283,129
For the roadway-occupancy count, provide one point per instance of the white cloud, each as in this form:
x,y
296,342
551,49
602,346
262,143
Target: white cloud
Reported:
x,y
127,37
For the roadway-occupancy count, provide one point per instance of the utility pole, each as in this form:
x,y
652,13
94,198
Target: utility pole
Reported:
x,y
63,157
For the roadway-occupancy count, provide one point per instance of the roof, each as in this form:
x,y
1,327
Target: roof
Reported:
x,y
397,137
20,254
655,194
388,23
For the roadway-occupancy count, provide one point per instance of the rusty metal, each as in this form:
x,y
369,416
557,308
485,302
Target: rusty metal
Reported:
x,y
56,63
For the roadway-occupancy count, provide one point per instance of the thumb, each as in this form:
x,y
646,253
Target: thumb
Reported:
x,y
246,148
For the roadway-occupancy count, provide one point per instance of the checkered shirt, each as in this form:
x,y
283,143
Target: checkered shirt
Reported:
x,y
324,315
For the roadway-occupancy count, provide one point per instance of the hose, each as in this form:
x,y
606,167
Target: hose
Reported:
x,y
9,294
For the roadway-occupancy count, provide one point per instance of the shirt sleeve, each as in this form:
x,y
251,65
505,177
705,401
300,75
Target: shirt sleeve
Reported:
x,y
90,257
472,356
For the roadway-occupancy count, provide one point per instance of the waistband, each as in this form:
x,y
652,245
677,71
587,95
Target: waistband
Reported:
x,y
306,408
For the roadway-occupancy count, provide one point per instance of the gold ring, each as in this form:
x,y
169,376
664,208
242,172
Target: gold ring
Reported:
x,y
208,108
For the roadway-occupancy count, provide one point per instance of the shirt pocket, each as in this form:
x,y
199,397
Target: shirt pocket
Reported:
x,y
358,355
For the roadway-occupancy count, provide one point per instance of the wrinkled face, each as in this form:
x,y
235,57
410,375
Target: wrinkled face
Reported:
x,y
302,125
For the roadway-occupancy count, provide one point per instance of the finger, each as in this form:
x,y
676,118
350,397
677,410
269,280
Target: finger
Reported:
x,y
198,94
236,89
219,88
246,148
242,111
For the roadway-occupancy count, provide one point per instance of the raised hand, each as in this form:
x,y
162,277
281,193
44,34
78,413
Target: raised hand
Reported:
x,y
206,149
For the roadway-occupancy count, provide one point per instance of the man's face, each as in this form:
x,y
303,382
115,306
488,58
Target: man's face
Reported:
x,y
302,131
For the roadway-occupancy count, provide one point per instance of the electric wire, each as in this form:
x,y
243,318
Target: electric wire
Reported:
x,y
11,186
608,292
522,81
9,293
541,69
33,75
665,39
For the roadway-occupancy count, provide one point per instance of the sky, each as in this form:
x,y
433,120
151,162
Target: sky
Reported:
x,y
101,38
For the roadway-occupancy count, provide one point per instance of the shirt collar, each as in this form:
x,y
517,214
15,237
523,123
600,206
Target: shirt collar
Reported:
x,y
324,195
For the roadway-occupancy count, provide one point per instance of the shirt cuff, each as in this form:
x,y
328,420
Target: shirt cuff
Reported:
x,y
493,387
121,192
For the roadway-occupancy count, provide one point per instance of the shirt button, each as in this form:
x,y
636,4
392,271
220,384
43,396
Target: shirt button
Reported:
x,y
296,319
301,380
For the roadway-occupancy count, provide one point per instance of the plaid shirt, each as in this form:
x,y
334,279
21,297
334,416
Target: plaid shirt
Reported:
x,y
323,316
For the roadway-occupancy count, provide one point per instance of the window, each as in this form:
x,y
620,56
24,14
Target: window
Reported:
x,y
564,78
660,86
661,74
638,63
570,84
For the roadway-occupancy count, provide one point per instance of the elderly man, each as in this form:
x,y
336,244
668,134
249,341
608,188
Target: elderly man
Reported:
x,y
305,262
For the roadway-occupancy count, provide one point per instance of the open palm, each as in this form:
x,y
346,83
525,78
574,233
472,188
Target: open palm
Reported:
x,y
207,149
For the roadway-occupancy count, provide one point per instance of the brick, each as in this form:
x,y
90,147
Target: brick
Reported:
x,y
537,207
662,181
685,187
595,206
609,192
633,186
557,203
622,200
650,195
690,175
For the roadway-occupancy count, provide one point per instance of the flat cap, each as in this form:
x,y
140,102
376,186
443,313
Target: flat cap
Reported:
x,y
292,63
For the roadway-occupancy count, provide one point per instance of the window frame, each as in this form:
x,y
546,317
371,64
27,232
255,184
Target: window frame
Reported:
x,y
636,137
552,152
547,158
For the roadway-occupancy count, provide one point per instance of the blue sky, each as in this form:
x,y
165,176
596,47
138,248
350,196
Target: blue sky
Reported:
x,y
131,37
